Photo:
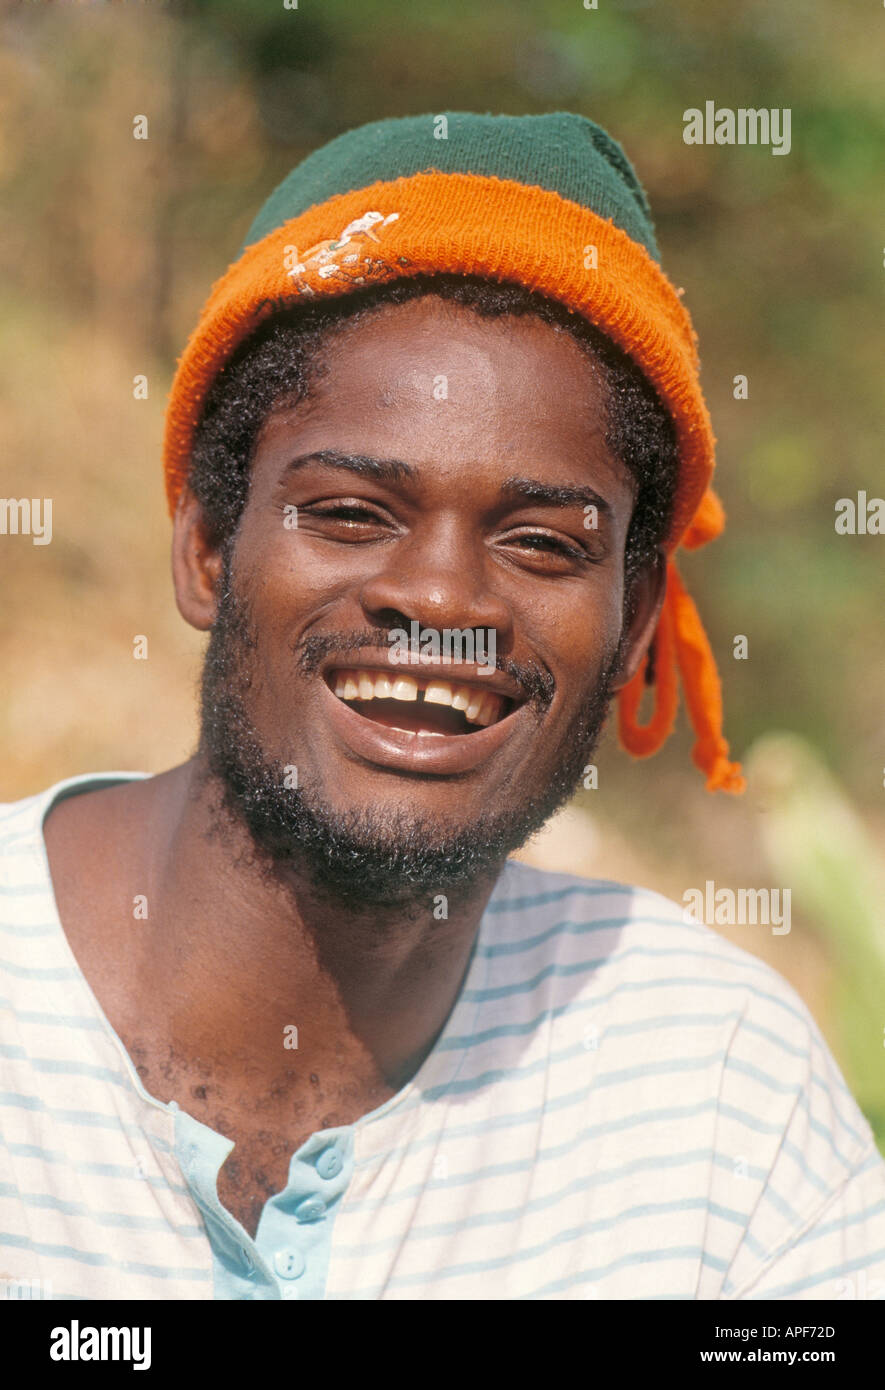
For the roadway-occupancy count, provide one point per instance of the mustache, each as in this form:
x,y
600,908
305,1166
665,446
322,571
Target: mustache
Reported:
x,y
535,681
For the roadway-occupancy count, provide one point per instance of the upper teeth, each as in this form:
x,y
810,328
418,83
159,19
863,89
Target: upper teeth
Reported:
x,y
479,706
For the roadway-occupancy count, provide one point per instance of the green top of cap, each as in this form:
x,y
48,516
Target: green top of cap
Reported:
x,y
562,152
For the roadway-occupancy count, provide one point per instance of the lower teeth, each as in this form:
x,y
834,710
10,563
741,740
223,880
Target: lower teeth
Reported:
x,y
420,733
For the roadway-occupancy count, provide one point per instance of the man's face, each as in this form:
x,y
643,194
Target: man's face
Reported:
x,y
446,470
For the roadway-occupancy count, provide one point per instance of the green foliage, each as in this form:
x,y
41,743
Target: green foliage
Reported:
x,y
818,847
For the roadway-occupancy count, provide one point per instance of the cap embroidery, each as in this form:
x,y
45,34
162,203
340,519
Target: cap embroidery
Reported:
x,y
323,255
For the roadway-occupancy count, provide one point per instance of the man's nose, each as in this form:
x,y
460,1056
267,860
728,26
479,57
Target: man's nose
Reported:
x,y
439,585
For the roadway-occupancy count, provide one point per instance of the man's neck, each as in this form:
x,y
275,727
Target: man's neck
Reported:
x,y
233,958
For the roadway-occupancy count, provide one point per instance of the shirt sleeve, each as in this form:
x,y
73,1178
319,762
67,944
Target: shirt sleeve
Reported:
x,y
816,1228
840,1254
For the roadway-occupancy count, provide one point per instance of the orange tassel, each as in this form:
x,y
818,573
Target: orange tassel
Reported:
x,y
703,690
644,739
680,640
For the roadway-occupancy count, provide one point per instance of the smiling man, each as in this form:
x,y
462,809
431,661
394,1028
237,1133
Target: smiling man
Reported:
x,y
285,1021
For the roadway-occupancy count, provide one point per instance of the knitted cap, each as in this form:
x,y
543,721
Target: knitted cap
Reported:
x,y
549,202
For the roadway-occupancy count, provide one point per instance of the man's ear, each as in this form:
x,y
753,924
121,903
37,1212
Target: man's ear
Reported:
x,y
196,564
649,589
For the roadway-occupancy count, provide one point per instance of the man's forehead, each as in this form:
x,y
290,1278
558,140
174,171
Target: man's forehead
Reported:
x,y
427,330
434,367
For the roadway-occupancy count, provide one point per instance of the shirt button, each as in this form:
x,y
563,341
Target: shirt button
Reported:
x,y
310,1209
289,1264
290,1291
329,1163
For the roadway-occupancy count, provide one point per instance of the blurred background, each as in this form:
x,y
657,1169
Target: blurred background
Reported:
x,y
110,244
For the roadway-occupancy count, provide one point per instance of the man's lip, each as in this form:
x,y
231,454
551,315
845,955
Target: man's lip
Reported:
x,y
456,673
439,755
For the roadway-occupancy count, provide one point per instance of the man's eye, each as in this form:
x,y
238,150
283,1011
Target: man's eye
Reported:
x,y
554,545
350,513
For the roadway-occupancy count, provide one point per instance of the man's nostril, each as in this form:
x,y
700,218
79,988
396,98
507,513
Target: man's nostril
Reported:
x,y
391,618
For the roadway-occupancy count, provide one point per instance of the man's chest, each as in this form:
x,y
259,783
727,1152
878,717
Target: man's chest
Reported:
x,y
256,1169
268,1119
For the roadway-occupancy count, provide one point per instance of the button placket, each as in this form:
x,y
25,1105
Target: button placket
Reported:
x,y
200,1152
295,1228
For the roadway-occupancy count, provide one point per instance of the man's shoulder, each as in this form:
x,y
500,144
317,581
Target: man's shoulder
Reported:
x,y
668,1007
625,937
22,849
21,822
565,904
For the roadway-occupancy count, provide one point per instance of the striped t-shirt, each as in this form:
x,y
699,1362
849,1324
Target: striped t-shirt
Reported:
x,y
621,1105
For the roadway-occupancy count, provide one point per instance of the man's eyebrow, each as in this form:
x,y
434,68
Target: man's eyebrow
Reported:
x,y
384,470
395,470
556,494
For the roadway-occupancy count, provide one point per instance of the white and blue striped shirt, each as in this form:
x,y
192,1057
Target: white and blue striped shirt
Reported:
x,y
621,1105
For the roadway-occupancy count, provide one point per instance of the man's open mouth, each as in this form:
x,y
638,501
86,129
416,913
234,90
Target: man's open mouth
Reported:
x,y
429,707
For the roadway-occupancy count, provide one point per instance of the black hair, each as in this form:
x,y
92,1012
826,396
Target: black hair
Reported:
x,y
278,363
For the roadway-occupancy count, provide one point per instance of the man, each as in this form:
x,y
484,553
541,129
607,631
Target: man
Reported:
x,y
285,1021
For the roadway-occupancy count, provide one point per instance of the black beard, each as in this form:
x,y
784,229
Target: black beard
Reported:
x,y
382,856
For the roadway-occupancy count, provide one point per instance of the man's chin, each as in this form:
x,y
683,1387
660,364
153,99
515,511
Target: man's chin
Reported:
x,y
379,855
378,852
